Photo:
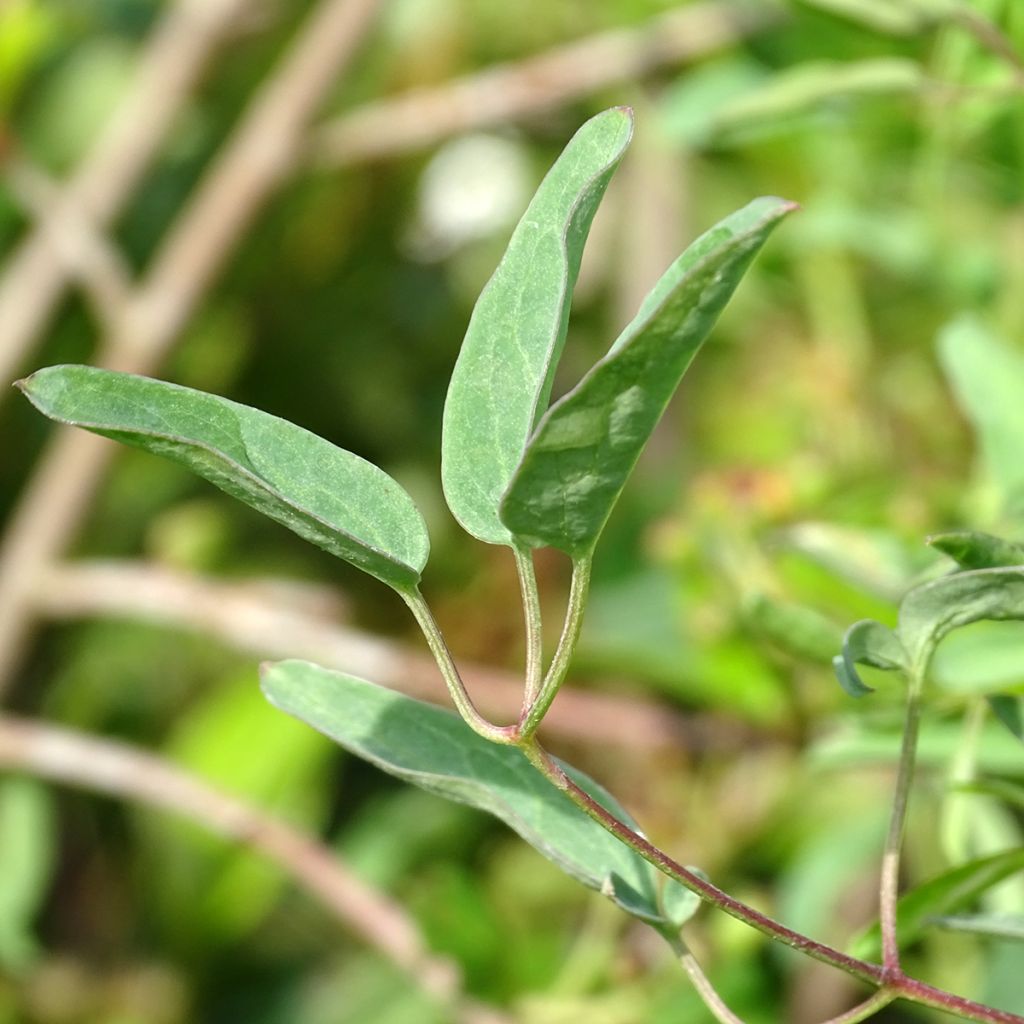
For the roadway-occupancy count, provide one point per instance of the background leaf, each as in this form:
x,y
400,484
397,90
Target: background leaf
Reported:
x,y
951,891
27,859
994,926
987,376
502,379
587,444
1009,709
326,495
434,749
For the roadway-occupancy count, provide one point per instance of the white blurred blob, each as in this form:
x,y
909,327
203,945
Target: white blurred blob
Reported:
x,y
473,186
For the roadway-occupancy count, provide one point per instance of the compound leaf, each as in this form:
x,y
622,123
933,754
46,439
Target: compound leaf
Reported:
x,y
502,379
585,446
326,495
434,749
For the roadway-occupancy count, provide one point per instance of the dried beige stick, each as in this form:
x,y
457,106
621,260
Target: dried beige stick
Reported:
x,y
86,254
170,65
252,163
103,766
511,92
272,622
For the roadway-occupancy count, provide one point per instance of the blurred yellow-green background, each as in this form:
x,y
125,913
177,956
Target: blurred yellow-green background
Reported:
x,y
294,204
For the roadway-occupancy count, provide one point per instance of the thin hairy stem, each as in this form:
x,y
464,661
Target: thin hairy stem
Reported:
x,y
535,712
701,983
896,984
888,890
446,663
532,620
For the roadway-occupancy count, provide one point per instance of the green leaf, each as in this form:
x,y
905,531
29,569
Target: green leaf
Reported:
x,y
931,611
875,561
948,893
326,495
27,860
1009,709
987,375
804,88
971,549
434,749
502,379
895,17
678,903
1009,792
586,445
797,629
993,926
868,643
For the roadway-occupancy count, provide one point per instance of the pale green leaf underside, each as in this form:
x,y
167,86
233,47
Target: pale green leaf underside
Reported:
x,y
586,445
866,643
502,379
931,611
434,749
326,495
992,926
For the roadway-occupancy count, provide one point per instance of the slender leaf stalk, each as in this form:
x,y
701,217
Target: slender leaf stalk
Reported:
x,y
506,734
532,618
882,998
701,983
716,1005
896,984
578,589
888,890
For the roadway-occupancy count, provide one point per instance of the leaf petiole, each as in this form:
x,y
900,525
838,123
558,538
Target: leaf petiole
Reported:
x,y
534,713
532,620
504,734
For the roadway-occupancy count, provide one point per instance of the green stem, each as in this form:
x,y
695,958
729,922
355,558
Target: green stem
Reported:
x,y
505,734
532,619
883,997
701,983
538,708
896,984
716,1005
888,890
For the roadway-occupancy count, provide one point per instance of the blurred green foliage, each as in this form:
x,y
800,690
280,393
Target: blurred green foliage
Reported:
x,y
864,389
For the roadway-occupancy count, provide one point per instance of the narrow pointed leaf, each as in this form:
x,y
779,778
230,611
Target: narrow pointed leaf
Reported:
x,y
952,891
931,611
326,495
502,379
1009,709
971,549
586,445
434,749
992,926
867,643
